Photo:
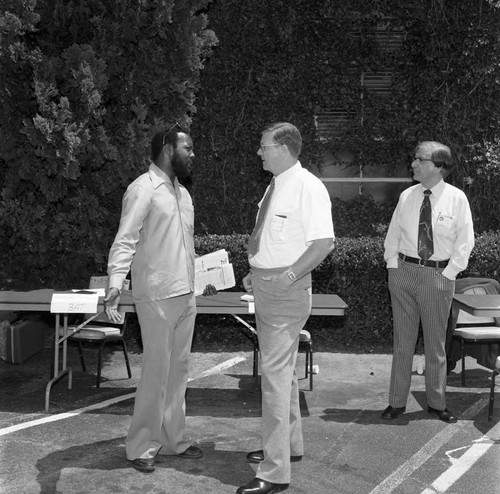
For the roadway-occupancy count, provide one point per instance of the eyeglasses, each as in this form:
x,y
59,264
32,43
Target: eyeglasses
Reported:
x,y
176,124
421,158
262,146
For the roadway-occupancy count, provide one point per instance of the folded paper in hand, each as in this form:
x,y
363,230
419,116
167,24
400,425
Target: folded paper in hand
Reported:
x,y
213,269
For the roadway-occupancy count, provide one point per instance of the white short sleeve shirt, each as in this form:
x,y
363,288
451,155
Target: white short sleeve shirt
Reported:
x,y
300,212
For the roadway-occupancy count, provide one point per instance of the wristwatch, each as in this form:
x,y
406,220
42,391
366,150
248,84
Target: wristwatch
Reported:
x,y
291,275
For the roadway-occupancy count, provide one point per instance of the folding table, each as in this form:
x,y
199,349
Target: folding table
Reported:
x,y
222,303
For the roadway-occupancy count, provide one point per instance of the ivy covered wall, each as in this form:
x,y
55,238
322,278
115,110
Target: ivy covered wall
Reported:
x,y
292,59
84,84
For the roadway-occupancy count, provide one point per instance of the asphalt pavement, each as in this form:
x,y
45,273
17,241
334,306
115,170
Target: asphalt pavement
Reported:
x,y
79,445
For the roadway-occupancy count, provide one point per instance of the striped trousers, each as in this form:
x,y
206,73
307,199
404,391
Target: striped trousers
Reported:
x,y
419,295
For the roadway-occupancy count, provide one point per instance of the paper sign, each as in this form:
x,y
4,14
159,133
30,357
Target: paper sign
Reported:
x,y
74,303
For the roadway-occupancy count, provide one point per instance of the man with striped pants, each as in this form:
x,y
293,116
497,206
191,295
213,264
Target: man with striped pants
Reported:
x,y
428,243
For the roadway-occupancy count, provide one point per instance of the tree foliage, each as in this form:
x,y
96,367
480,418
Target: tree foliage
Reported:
x,y
291,59
84,84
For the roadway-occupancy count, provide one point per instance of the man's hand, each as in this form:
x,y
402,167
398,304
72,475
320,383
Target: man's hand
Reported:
x,y
247,283
209,290
282,280
111,301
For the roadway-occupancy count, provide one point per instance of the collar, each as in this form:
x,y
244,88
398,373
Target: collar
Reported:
x,y
289,173
437,190
158,177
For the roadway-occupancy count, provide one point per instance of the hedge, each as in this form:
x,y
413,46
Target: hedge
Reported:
x,y
356,272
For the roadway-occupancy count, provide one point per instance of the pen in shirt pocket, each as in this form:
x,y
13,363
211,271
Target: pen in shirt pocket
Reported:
x,y
280,215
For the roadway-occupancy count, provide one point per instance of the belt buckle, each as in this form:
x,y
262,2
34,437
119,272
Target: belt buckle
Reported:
x,y
421,262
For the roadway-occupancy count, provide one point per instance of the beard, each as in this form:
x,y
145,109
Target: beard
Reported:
x,y
180,166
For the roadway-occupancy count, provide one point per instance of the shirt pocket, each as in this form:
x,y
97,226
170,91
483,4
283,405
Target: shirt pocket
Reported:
x,y
445,222
279,226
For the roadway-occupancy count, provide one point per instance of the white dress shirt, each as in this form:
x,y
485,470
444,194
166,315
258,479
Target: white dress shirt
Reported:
x,y
300,212
451,225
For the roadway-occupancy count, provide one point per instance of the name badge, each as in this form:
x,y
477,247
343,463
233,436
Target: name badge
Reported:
x,y
445,220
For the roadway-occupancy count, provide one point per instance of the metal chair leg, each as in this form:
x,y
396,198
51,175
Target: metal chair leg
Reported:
x,y
127,363
82,360
255,371
462,347
492,395
311,367
99,365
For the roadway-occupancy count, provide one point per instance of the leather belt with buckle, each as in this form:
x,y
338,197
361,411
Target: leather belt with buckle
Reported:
x,y
421,262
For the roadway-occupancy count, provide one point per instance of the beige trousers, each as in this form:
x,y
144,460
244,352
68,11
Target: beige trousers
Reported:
x,y
280,316
159,412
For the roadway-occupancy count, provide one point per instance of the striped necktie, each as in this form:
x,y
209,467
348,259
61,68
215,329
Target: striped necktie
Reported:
x,y
254,240
425,238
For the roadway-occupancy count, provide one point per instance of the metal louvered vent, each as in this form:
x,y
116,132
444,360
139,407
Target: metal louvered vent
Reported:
x,y
329,122
378,82
386,40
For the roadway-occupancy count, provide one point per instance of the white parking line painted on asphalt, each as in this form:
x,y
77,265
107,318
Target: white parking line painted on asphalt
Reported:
x,y
428,450
103,404
465,462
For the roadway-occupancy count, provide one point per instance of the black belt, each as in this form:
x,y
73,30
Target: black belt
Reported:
x,y
421,262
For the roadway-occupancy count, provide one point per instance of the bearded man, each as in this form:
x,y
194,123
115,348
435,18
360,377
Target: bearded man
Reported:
x,y
155,241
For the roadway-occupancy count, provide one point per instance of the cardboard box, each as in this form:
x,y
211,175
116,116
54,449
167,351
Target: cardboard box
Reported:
x,y
23,339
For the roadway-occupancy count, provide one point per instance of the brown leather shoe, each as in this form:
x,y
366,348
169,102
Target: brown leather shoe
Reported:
x,y
392,412
443,415
144,465
258,456
192,453
259,486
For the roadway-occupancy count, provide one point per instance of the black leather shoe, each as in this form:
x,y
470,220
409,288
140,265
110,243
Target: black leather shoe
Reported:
x,y
444,415
192,453
144,465
258,456
259,486
391,412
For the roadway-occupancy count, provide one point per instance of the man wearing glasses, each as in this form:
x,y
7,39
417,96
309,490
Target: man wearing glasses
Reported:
x,y
428,243
292,235
155,241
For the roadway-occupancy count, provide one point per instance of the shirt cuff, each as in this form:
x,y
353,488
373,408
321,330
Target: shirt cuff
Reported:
x,y
450,273
392,262
115,282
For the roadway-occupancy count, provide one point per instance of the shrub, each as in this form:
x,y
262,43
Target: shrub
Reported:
x,y
361,217
355,270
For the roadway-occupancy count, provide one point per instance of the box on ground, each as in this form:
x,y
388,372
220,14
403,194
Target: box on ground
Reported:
x,y
20,340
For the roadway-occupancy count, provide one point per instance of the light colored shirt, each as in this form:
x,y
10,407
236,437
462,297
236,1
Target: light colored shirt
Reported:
x,y
300,212
155,239
452,227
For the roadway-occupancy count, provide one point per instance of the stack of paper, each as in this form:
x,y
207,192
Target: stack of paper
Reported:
x,y
213,269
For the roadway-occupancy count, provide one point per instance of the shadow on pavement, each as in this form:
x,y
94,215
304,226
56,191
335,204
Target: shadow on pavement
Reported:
x,y
228,467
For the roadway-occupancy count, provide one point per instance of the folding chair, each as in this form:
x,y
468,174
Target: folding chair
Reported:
x,y
474,330
495,372
305,345
101,332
